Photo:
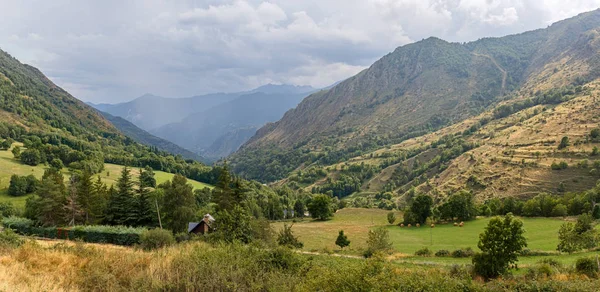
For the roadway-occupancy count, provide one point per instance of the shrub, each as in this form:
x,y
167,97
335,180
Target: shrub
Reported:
x,y
378,241
424,252
587,266
342,240
7,209
119,235
9,238
31,157
442,253
156,238
391,217
463,253
286,237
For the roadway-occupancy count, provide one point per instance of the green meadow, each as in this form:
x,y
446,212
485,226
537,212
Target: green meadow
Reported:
x,y
10,166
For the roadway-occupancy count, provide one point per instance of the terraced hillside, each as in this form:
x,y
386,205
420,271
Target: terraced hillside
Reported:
x,y
420,88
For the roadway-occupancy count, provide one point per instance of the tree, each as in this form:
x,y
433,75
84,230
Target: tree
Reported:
x,y
73,208
564,142
46,207
56,163
17,186
500,244
595,133
234,225
286,237
378,241
342,240
579,236
16,151
391,217
31,157
421,208
460,206
595,151
121,203
320,207
5,144
147,179
299,209
179,204
223,193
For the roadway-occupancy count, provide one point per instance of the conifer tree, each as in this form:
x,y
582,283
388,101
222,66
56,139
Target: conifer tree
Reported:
x,y
342,240
224,195
144,207
46,206
179,204
121,203
85,195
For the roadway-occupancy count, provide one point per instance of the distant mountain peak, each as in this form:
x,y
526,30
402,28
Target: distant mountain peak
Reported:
x,y
283,88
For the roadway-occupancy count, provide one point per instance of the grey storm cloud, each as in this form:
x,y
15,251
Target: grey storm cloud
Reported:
x,y
112,51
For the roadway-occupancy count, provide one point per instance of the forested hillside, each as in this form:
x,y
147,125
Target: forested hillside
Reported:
x,y
417,89
55,126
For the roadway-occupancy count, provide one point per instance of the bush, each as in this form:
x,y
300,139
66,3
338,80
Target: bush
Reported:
x,y
378,241
463,253
156,238
7,209
587,266
9,238
119,235
424,252
442,253
286,237
31,157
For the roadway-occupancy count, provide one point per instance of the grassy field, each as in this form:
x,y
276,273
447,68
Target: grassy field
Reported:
x,y
319,236
10,166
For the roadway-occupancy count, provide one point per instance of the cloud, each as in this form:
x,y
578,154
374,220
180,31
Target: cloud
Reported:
x,y
111,51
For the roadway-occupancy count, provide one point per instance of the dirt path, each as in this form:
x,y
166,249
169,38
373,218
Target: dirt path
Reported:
x,y
504,73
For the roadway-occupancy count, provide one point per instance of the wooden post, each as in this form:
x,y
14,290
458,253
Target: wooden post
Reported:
x,y
158,212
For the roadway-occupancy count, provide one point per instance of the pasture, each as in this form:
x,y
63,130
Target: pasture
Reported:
x,y
319,236
9,166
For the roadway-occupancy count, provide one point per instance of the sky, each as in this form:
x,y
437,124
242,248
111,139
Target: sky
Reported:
x,y
112,51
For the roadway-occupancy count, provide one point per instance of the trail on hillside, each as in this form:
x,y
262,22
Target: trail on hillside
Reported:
x,y
504,73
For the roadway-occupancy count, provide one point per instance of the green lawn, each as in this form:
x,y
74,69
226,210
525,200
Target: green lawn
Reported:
x,y
10,166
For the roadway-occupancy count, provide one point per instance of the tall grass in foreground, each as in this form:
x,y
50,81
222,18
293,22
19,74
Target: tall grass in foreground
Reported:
x,y
198,266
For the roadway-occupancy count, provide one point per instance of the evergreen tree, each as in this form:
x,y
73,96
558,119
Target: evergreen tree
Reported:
x,y
299,209
223,195
144,203
74,212
342,240
179,204
98,201
85,195
46,207
121,204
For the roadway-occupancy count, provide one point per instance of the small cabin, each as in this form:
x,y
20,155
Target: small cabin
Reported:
x,y
203,226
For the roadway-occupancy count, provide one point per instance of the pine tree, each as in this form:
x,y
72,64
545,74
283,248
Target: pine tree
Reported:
x,y
121,204
74,212
46,207
342,240
99,200
144,206
179,204
223,194
85,195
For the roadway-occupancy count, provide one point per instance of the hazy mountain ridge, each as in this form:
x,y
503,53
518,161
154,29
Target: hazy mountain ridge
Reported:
x,y
145,138
417,88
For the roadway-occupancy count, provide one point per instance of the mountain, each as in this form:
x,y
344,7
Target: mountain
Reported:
x,y
220,130
417,89
145,138
55,127
150,112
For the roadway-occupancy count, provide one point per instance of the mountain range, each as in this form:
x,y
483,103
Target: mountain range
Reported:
x,y
426,114
212,125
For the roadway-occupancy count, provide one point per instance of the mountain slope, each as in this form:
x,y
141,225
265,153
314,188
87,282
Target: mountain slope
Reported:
x,y
145,138
418,88
149,111
220,130
55,127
